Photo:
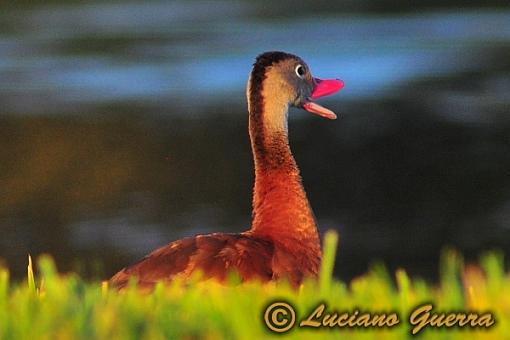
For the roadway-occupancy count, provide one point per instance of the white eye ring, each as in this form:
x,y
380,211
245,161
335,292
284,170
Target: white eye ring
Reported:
x,y
300,71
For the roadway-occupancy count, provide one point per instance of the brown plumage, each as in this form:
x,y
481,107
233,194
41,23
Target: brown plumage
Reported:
x,y
283,241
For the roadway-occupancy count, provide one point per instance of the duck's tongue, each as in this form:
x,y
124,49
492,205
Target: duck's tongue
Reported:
x,y
323,88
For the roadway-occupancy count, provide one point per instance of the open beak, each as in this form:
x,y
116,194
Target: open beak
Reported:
x,y
322,87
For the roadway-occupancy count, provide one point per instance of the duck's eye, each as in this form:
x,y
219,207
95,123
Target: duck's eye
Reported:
x,y
300,71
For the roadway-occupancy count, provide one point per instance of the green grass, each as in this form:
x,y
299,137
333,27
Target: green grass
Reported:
x,y
54,306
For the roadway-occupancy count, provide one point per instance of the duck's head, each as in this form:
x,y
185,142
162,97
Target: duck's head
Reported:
x,y
282,79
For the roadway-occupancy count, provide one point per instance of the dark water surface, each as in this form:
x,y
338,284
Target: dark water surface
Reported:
x,y
123,126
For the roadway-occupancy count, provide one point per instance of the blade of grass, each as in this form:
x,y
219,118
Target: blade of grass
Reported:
x,y
451,265
30,276
328,261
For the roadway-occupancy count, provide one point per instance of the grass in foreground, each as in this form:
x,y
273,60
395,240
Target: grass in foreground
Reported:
x,y
53,306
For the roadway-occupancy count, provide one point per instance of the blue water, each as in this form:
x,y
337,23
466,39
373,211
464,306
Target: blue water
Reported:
x,y
182,51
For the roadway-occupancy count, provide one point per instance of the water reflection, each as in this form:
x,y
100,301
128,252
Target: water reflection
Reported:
x,y
146,52
123,126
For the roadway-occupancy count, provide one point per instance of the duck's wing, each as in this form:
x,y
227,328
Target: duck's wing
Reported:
x,y
215,255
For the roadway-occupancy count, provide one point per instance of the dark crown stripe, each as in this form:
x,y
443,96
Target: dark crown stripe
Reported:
x,y
258,74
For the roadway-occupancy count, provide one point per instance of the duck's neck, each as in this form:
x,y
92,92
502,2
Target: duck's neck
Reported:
x,y
280,207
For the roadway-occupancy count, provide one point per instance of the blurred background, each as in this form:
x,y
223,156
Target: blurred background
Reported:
x,y
123,126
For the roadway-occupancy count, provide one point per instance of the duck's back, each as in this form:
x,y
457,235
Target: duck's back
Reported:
x,y
214,255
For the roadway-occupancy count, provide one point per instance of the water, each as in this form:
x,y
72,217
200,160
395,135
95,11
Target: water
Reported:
x,y
88,54
123,127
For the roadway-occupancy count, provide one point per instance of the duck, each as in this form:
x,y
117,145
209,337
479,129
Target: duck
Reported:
x,y
283,239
